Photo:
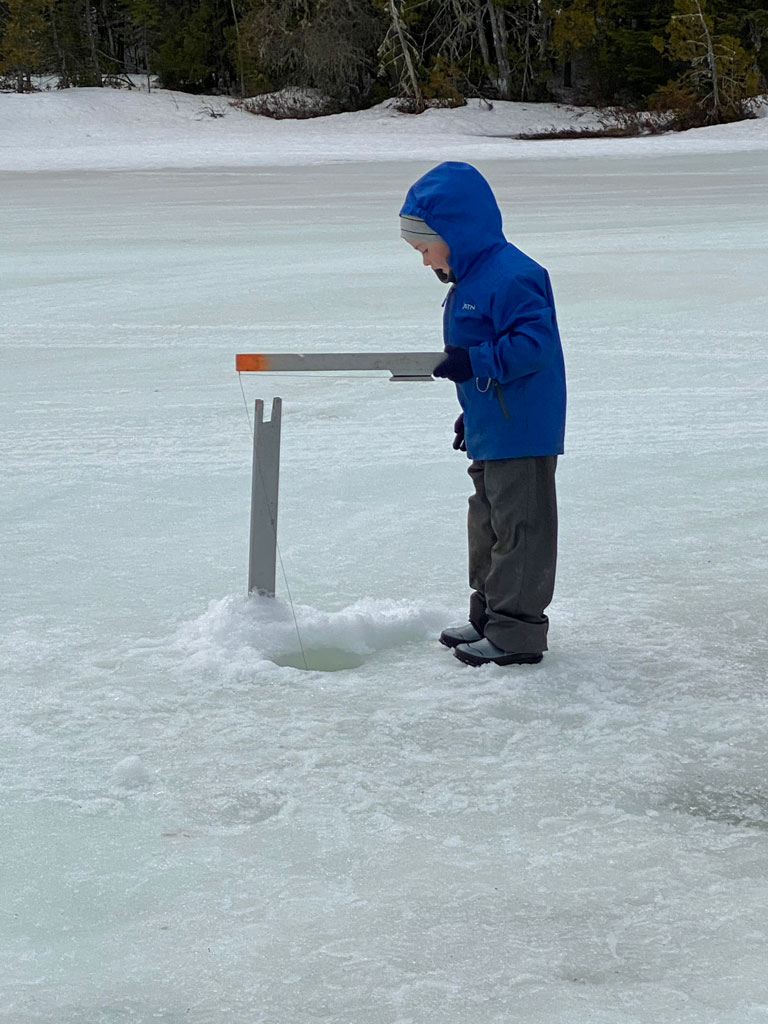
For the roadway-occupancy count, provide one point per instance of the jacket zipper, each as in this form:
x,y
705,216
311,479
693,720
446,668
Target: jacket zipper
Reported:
x,y
500,396
447,307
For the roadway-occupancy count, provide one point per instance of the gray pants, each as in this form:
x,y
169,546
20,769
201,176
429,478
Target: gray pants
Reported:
x,y
512,529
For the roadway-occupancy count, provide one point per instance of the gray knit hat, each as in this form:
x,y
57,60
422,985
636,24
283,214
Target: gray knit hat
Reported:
x,y
414,229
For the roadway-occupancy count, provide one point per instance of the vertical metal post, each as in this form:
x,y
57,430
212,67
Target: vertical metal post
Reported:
x,y
265,477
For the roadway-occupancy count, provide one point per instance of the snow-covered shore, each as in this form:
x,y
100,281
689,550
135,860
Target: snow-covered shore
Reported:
x,y
102,129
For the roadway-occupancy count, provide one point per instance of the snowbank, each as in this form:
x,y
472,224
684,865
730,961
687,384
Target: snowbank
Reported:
x,y
238,637
90,129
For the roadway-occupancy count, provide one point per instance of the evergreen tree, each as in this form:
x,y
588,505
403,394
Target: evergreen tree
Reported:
x,y
747,20
73,35
425,51
529,32
194,49
399,53
329,45
145,24
613,40
23,48
717,66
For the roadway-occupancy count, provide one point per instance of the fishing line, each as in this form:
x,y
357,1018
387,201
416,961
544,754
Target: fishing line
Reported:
x,y
273,523
245,403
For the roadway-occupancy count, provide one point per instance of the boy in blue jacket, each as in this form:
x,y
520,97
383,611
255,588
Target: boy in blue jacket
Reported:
x,y
503,353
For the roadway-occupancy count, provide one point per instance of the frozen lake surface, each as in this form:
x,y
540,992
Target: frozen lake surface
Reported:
x,y
194,829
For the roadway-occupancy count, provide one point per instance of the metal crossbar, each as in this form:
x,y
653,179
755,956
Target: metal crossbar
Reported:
x,y
401,365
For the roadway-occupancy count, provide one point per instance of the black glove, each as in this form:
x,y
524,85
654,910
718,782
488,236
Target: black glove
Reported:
x,y
456,367
458,442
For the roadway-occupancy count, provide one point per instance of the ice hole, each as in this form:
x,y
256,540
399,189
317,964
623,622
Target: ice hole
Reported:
x,y
320,659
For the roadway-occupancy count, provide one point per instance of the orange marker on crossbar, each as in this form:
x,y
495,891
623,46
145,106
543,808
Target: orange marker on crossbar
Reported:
x,y
251,363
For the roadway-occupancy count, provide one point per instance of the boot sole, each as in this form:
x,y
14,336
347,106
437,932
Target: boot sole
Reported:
x,y
506,659
448,642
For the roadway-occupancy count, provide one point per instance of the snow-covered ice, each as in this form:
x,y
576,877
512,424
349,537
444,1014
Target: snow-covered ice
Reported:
x,y
197,829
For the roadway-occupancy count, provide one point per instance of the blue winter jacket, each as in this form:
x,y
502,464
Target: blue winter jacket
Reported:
x,y
501,309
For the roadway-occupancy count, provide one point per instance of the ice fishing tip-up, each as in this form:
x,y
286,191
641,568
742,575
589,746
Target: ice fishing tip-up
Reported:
x,y
265,475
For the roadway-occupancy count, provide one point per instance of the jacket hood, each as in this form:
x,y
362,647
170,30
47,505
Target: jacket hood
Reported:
x,y
457,202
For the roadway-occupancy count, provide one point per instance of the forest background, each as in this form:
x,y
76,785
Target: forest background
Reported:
x,y
703,59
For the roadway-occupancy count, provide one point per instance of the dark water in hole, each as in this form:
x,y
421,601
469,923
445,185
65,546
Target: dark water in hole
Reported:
x,y
320,659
